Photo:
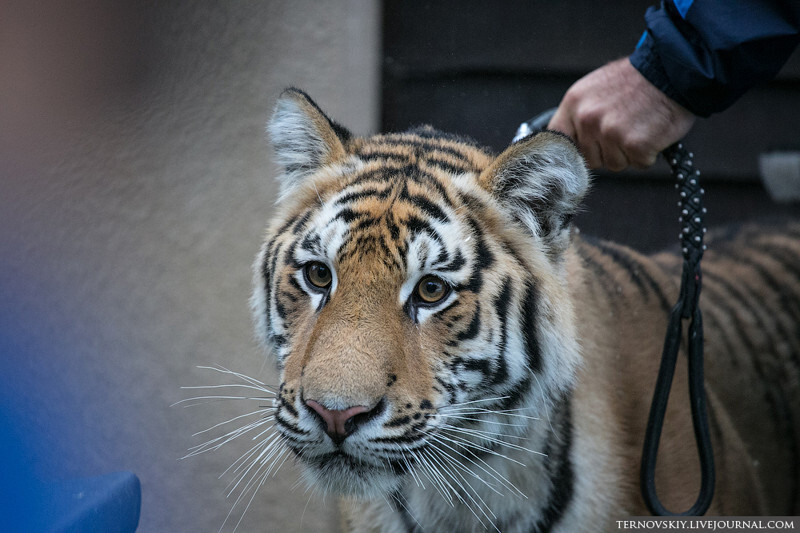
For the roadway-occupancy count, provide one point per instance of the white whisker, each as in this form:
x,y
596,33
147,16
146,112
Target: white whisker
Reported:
x,y
470,493
466,443
490,438
264,459
215,426
490,412
482,400
489,470
472,419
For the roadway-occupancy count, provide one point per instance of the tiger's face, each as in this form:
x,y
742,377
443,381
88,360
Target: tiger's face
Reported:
x,y
411,291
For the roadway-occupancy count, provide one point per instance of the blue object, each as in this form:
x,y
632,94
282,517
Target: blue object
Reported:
x,y
705,54
105,504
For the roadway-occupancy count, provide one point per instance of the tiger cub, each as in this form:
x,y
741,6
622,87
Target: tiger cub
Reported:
x,y
455,357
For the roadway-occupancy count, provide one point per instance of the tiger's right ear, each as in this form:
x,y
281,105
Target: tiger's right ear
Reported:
x,y
541,180
304,138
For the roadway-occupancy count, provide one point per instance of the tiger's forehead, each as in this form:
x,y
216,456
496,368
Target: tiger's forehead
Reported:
x,y
426,148
399,204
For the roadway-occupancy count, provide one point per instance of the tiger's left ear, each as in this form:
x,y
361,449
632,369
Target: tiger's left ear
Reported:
x,y
542,180
304,138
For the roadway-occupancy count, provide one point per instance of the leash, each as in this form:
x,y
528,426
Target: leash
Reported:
x,y
693,212
692,215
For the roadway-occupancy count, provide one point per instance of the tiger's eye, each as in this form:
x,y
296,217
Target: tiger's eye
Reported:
x,y
318,274
431,289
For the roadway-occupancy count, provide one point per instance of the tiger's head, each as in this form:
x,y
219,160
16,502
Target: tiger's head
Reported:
x,y
411,290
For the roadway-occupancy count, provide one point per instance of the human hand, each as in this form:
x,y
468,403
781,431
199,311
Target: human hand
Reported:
x,y
618,118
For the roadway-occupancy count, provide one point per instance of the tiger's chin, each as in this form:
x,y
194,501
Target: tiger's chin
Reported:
x,y
344,475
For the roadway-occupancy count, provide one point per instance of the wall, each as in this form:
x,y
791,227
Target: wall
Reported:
x,y
135,183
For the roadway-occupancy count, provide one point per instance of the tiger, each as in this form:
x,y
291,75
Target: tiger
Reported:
x,y
454,355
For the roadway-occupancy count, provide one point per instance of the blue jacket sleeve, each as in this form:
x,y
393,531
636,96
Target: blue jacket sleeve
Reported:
x,y
705,54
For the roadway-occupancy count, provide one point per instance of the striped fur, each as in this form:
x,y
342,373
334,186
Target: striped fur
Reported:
x,y
517,401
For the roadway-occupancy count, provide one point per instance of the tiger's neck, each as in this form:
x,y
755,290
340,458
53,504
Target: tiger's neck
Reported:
x,y
481,500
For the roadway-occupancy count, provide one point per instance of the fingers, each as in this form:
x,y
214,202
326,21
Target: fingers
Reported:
x,y
613,158
619,119
562,121
596,147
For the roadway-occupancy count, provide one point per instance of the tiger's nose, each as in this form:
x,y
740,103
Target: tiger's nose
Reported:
x,y
341,423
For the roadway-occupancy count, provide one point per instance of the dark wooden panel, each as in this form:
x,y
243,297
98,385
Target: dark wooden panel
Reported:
x,y
490,107
542,36
643,213
534,36
480,68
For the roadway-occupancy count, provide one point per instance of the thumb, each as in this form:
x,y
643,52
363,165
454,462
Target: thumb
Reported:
x,y
561,122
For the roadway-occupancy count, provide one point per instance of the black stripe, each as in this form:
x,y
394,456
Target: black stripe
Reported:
x,y
266,275
473,328
348,215
773,390
379,176
427,147
288,224
422,203
279,340
501,303
401,508
783,256
426,179
400,421
394,229
560,469
446,166
475,365
380,194
530,329
289,407
597,268
456,264
638,273
751,301
311,243
416,225
779,287
383,154
514,253
279,307
513,398
300,224
484,259
451,390
408,436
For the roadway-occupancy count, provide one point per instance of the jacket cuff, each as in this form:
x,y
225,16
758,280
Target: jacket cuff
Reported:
x,y
645,59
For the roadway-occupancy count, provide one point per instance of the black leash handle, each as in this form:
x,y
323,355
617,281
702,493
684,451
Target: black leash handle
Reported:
x,y
692,216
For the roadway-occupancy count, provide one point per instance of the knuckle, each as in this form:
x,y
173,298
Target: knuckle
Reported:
x,y
589,117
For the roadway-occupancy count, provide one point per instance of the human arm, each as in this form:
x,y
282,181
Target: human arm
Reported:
x,y
619,119
695,59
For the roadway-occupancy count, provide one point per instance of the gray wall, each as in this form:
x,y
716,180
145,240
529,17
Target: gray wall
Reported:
x,y
135,183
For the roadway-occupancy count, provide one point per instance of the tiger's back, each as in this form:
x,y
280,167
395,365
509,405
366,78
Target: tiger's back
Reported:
x,y
751,314
453,357
751,306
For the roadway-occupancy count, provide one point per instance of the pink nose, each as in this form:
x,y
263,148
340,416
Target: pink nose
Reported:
x,y
340,423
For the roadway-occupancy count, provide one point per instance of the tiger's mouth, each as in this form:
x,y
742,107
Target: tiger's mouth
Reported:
x,y
345,474
344,462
